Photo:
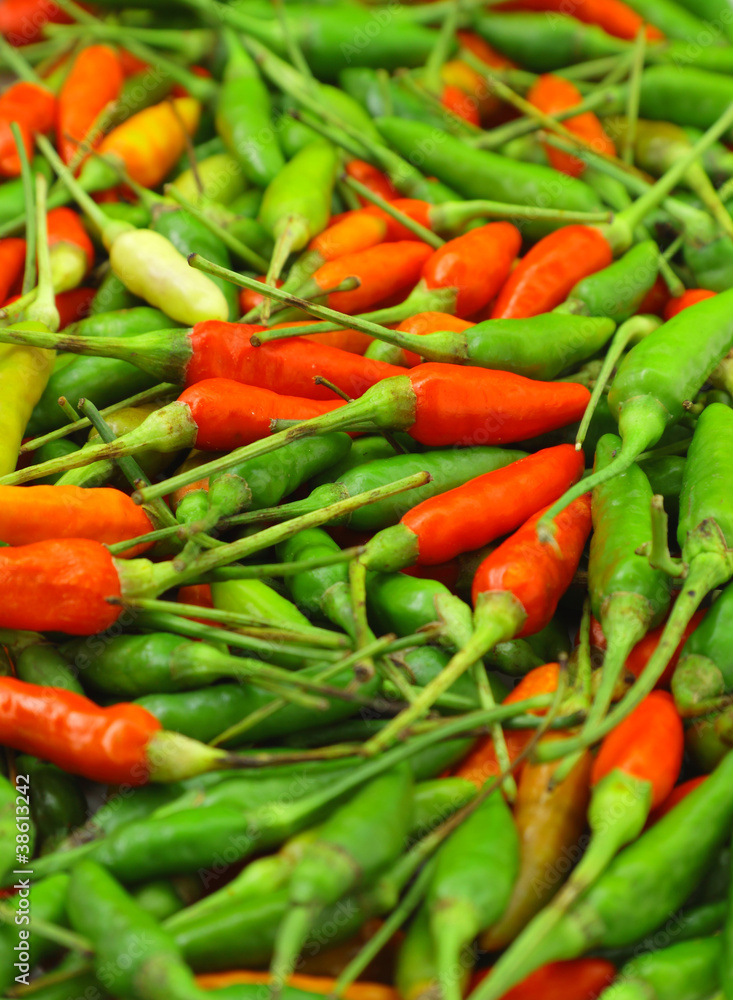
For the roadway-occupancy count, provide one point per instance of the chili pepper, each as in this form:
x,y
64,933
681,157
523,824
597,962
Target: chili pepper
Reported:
x,y
50,451
615,18
481,764
441,527
46,899
73,305
346,340
22,21
704,669
688,970
33,107
94,81
639,890
372,178
419,402
380,98
323,592
41,664
649,389
331,38
69,512
354,845
112,296
628,597
549,822
541,349
104,380
243,116
160,899
366,448
311,984
416,973
672,18
24,372
690,297
577,979
552,94
123,743
643,650
619,290
12,200
151,962
12,258
420,324
57,802
72,253
474,877
147,263
449,470
220,176
256,599
675,796
296,204
477,173
403,604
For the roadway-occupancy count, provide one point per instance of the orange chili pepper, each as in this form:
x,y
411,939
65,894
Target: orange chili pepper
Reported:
x,y
615,17
551,94
690,297
428,322
372,178
311,984
22,21
460,103
95,80
33,107
383,270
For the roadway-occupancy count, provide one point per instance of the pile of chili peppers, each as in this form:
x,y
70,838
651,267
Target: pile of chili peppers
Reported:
x,y
366,415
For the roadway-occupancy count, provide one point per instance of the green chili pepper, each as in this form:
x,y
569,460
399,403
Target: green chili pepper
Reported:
x,y
665,478
544,44
334,37
50,451
382,97
684,95
243,117
716,12
41,663
207,712
263,482
654,380
42,899
540,347
470,888
476,173
188,235
112,296
12,198
448,468
705,669
689,970
646,882
416,974
434,801
201,151
247,205
133,953
58,804
137,215
297,203
103,380
162,898
618,290
627,596
694,922
259,601
220,176
323,592
364,449
353,846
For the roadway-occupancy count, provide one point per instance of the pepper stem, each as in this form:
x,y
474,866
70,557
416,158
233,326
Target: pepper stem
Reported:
x,y
633,329
173,757
43,309
29,271
498,617
658,549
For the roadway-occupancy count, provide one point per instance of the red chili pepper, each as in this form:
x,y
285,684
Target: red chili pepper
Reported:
x,y
12,259
223,350
482,762
382,270
460,103
648,744
95,80
489,506
58,586
552,94
643,650
429,322
34,513
615,17
367,227
545,276
33,107
372,178
483,51
21,21
103,744
688,298
476,264
675,797
656,299
536,574
577,979
200,595
74,305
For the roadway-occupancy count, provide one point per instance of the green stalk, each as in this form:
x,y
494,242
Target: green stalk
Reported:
x,y
633,96
29,272
43,309
17,63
